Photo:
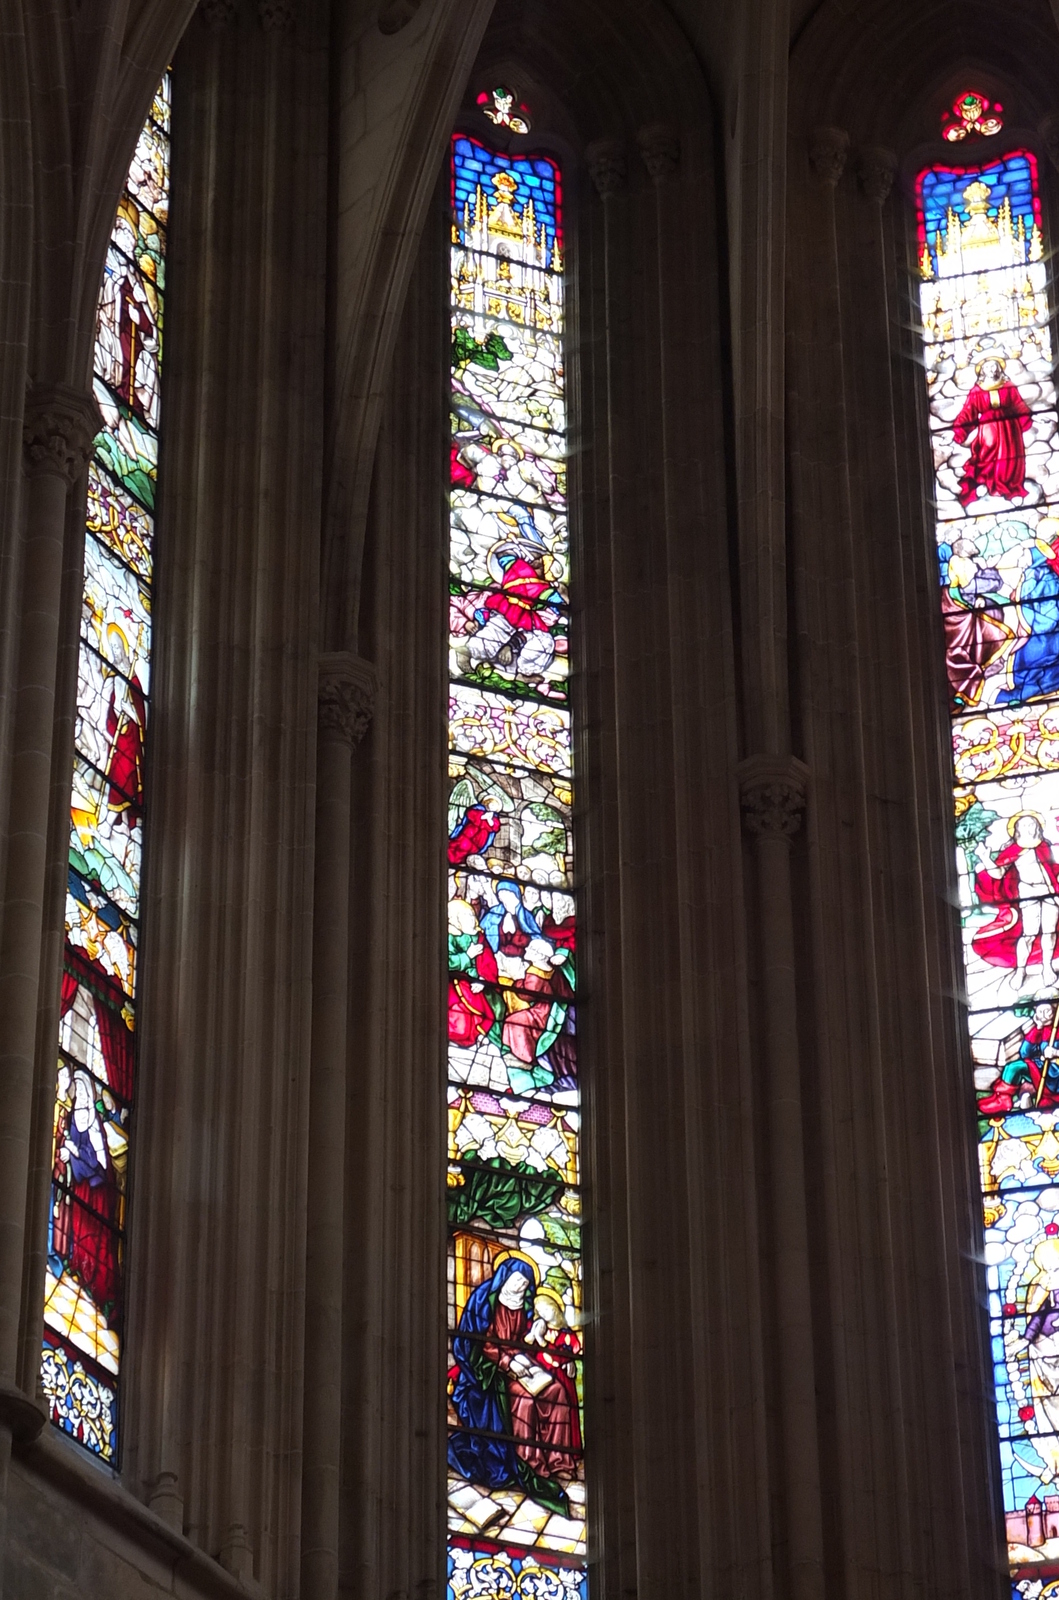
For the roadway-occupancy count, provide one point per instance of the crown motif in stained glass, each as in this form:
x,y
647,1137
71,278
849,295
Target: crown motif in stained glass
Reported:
x,y
971,113
500,107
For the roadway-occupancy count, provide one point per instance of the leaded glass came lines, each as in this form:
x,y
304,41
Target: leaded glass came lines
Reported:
x,y
84,1289
989,359
516,1491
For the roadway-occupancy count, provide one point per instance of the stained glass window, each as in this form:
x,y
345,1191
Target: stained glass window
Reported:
x,y
516,1490
971,113
989,359
81,1360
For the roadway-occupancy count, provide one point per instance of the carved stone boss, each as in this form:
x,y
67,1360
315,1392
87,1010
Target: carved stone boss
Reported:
x,y
347,697
772,791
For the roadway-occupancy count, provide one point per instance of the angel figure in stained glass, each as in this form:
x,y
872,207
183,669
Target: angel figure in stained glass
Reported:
x,y
997,416
473,825
521,1417
1023,882
502,467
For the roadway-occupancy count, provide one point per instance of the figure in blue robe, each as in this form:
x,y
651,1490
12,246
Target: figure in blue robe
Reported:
x,y
1036,662
485,1454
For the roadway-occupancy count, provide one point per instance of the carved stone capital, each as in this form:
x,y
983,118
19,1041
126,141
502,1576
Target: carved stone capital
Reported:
x,y
277,16
57,432
1048,128
24,1417
347,696
394,14
772,793
217,14
660,147
876,171
605,159
828,149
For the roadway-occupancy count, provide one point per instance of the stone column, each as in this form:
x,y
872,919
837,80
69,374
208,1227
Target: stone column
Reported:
x,y
214,1399
772,793
674,1384
392,1415
347,696
60,423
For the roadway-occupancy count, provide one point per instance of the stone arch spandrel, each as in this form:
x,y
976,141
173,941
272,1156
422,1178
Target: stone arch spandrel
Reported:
x,y
398,94
91,81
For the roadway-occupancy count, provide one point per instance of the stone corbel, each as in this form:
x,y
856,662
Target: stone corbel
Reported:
x,y
660,148
605,159
394,14
1048,129
277,16
347,696
23,1416
876,171
59,426
217,14
772,794
828,149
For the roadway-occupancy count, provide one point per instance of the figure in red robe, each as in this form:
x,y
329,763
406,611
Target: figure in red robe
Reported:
x,y
126,727
473,832
997,416
1024,883
85,1196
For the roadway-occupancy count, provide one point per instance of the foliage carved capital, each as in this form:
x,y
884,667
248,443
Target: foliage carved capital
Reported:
x,y
58,428
347,696
828,149
277,16
217,14
772,793
660,147
395,14
605,159
1048,128
876,171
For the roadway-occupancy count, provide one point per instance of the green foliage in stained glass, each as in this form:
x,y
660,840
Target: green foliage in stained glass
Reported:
x,y
500,1192
487,352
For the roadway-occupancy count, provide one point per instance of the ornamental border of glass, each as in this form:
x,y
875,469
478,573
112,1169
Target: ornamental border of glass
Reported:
x,y
516,1490
988,347
84,1284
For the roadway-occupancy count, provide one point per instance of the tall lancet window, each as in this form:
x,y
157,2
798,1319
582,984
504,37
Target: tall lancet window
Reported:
x,y
516,1491
81,1360
989,364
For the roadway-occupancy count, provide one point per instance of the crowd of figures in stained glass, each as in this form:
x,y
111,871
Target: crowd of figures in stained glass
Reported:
x,y
81,1358
989,365
516,1492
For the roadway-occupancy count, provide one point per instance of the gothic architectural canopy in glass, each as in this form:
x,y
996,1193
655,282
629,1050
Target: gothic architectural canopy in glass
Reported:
x,y
989,364
84,1290
516,1491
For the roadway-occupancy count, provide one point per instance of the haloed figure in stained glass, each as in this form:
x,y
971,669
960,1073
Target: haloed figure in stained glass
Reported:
x,y
994,420
128,342
1023,881
516,1489
516,1378
85,1199
995,439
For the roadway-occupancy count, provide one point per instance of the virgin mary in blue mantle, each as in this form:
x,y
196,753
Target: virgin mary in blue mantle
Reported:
x,y
487,1455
